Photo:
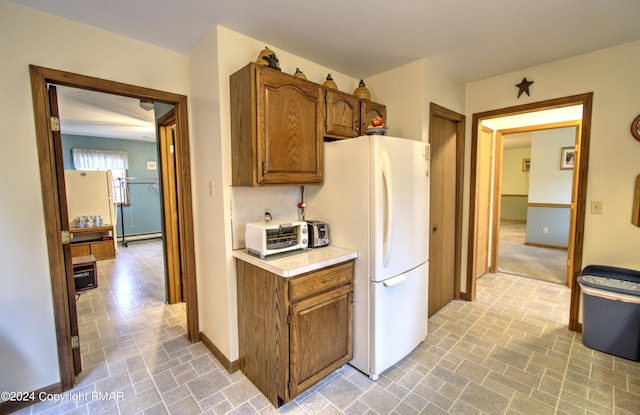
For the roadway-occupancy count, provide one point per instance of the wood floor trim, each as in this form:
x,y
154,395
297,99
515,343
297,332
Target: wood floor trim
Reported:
x,y
231,366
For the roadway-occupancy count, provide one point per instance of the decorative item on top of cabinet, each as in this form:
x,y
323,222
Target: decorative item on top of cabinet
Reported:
x,y
276,128
293,332
330,83
299,74
361,91
267,57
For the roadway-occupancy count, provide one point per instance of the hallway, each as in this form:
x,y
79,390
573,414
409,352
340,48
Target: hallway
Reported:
x,y
507,352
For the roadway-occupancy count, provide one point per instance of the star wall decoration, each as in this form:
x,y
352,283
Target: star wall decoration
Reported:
x,y
524,87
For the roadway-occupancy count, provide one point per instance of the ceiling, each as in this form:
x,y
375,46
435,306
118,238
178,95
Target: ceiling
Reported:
x,y
468,39
95,114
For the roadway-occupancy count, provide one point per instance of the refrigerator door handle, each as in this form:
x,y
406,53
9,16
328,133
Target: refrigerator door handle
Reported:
x,y
395,280
388,208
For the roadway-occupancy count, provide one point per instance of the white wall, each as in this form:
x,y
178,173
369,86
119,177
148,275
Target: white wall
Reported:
x,y
402,89
211,212
514,180
547,183
28,349
219,55
408,92
611,74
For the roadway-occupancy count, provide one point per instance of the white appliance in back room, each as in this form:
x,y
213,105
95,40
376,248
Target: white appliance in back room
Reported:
x,y
90,192
375,199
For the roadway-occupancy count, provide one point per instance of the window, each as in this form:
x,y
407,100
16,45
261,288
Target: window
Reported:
x,y
116,161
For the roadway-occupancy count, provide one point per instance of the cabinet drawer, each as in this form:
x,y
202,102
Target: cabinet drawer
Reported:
x,y
103,249
82,249
320,281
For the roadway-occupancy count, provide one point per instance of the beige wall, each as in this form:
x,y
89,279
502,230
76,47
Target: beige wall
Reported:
x,y
28,348
408,92
611,74
514,180
219,55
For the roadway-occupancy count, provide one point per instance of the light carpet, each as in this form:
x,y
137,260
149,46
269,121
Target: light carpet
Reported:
x,y
516,258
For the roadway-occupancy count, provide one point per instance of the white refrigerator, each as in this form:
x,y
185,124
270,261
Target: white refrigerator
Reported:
x,y
375,199
90,192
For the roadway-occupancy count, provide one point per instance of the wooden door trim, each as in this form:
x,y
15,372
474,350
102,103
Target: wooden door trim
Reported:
x,y
53,228
40,77
460,120
586,100
173,286
56,138
497,189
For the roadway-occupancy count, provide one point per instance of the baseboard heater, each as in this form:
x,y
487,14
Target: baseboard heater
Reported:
x,y
142,237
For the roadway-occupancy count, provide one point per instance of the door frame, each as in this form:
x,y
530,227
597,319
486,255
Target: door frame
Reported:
x,y
436,110
40,77
497,202
580,191
174,283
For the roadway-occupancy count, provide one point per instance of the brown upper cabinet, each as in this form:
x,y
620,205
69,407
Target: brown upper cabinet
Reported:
x,y
276,128
347,115
343,114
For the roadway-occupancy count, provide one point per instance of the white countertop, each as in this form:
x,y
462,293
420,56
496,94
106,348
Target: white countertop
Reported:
x,y
290,264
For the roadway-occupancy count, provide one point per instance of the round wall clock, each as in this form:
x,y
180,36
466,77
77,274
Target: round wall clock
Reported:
x,y
635,128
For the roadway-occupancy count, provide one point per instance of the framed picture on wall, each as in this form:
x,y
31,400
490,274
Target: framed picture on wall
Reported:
x,y
526,164
567,155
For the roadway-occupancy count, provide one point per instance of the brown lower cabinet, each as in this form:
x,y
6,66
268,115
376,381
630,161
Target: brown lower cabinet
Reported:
x,y
95,245
293,331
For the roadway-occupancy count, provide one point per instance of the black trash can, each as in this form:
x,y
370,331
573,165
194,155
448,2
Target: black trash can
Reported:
x,y
611,310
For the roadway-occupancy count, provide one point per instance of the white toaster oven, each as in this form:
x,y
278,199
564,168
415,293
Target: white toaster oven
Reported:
x,y
268,238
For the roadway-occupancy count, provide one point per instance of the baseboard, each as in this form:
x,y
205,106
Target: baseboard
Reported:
x,y
141,237
564,248
466,297
230,366
513,220
8,407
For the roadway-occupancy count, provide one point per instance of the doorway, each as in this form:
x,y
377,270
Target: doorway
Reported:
x,y
446,137
54,202
533,197
578,198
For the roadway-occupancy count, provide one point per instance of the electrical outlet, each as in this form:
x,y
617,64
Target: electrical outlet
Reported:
x,y
596,207
545,230
266,215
